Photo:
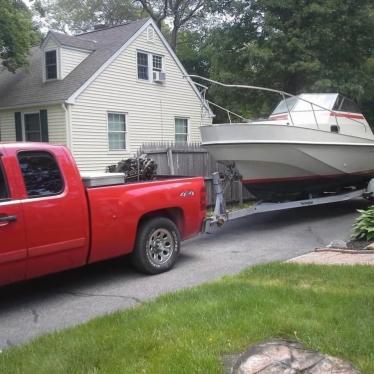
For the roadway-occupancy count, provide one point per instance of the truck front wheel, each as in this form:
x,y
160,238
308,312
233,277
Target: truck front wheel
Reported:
x,y
157,246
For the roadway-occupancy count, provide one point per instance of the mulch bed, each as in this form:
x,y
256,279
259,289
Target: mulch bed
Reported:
x,y
353,246
358,245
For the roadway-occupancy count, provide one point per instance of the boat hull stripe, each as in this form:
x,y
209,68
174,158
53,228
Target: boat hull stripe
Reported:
x,y
347,115
304,178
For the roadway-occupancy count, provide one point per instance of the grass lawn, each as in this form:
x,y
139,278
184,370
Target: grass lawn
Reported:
x,y
330,309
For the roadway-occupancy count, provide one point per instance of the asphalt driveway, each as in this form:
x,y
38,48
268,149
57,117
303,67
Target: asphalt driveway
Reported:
x,y
66,299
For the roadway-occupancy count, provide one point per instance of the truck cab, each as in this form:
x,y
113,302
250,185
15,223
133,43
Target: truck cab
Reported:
x,y
43,212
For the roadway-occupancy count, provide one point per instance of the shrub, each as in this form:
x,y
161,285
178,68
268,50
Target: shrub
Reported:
x,y
363,228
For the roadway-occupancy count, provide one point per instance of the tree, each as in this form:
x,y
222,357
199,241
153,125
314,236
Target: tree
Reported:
x,y
183,14
157,9
81,15
296,46
17,34
76,15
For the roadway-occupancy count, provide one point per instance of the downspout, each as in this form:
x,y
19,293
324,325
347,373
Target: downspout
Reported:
x,y
67,109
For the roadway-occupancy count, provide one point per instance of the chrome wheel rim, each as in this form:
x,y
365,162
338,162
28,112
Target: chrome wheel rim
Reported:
x,y
160,246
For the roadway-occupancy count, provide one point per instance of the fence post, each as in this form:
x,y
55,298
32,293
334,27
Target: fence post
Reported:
x,y
170,161
240,188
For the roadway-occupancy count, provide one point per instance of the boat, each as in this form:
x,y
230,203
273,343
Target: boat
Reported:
x,y
311,144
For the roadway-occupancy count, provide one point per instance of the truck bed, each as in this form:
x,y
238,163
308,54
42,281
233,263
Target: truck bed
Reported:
x,y
98,179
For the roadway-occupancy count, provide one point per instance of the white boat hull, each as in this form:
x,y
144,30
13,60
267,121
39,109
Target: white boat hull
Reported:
x,y
275,159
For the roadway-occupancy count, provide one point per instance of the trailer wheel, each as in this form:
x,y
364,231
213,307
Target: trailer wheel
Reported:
x,y
157,246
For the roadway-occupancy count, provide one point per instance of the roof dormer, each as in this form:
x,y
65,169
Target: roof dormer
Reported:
x,y
62,54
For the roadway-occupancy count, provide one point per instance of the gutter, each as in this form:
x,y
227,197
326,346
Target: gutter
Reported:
x,y
41,104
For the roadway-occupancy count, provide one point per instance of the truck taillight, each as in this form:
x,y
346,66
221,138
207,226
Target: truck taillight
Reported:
x,y
203,202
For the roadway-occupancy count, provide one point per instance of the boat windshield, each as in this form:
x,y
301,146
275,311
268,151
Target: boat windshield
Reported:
x,y
303,103
342,104
285,105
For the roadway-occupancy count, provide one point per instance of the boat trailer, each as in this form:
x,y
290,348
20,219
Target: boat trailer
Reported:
x,y
221,215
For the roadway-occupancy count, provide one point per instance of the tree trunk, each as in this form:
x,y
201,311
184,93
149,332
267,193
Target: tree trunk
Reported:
x,y
173,41
158,22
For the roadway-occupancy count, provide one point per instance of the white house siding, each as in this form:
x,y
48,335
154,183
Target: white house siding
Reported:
x,y
7,126
151,108
56,123
51,44
70,59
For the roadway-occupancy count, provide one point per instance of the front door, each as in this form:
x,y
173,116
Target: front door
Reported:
x,y
13,251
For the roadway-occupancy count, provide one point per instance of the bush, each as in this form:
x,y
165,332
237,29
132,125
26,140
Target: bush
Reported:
x,y
363,228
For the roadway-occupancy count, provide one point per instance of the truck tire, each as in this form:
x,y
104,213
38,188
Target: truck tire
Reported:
x,y
157,246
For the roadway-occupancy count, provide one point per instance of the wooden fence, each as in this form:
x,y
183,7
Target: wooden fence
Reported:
x,y
192,160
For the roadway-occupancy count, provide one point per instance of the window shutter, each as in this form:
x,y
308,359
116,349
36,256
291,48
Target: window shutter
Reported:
x,y
18,123
44,124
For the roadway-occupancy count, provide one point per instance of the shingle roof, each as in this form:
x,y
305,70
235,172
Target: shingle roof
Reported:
x,y
74,41
26,86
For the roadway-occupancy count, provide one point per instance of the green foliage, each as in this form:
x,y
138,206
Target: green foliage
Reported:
x,y
75,16
363,228
17,34
191,54
296,46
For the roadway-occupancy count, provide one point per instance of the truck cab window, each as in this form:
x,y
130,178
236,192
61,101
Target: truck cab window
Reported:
x,y
3,186
41,174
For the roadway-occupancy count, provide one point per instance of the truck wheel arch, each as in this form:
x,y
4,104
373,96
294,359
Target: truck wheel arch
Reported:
x,y
174,214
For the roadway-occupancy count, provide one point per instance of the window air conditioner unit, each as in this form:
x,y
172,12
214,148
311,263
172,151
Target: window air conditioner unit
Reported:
x,y
159,77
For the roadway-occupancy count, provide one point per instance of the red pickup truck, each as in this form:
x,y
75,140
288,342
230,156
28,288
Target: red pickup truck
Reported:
x,y
50,221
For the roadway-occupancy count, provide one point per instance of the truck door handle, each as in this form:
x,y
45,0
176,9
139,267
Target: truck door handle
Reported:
x,y
4,220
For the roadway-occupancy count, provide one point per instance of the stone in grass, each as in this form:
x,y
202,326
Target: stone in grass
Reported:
x,y
284,357
338,244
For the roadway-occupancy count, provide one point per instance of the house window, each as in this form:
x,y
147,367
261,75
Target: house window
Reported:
x,y
148,65
143,71
181,130
157,63
32,127
117,131
51,65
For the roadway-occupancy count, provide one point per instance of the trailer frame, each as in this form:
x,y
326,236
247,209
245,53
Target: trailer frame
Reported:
x,y
221,215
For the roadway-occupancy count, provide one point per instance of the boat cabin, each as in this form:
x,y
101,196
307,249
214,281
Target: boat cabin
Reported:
x,y
329,112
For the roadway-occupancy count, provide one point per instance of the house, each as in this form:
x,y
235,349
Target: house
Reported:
x,y
102,93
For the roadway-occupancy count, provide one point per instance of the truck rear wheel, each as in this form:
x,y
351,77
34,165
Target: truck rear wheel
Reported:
x,y
157,246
